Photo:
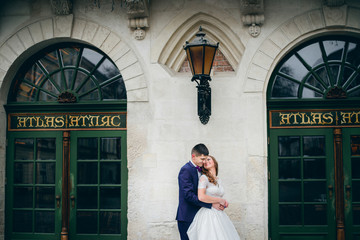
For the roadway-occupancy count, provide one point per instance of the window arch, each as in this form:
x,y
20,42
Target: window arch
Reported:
x,y
68,73
325,68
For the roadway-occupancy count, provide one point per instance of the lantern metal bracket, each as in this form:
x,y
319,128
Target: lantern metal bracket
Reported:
x,y
204,97
201,53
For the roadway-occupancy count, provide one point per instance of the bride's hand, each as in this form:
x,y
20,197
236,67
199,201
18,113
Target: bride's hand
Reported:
x,y
223,202
226,204
218,206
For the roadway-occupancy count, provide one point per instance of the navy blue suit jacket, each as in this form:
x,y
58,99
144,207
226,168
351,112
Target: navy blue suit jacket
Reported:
x,y
189,202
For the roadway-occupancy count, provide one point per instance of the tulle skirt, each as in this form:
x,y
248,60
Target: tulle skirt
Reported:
x,y
212,224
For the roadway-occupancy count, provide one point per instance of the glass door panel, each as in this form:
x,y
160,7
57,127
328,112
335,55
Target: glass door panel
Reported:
x,y
351,151
33,176
98,172
301,184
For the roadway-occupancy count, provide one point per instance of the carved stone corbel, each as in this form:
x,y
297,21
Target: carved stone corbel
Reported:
x,y
138,13
61,7
253,15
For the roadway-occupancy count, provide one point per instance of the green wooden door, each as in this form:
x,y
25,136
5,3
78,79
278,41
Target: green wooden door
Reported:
x,y
313,93
33,187
93,189
351,138
98,176
302,201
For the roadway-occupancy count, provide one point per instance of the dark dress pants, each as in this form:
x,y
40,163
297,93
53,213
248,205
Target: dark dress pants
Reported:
x,y
183,227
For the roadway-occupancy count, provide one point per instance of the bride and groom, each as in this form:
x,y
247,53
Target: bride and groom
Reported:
x,y
200,214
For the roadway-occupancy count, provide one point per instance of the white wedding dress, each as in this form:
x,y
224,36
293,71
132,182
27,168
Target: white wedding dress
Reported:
x,y
212,224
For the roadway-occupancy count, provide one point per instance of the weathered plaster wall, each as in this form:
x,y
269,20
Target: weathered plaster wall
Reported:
x,y
162,120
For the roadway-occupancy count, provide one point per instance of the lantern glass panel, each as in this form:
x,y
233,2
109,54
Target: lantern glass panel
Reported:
x,y
197,55
190,60
208,60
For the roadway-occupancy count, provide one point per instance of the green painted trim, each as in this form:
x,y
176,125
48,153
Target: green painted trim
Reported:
x,y
351,229
304,232
91,107
58,183
124,183
10,183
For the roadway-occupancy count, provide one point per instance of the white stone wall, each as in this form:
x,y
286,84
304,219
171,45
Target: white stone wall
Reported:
x,y
162,114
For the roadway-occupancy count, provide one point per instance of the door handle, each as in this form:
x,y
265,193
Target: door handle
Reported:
x,y
72,198
348,188
330,187
57,201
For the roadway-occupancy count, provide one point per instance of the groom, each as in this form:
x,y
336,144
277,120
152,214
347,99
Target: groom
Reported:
x,y
188,179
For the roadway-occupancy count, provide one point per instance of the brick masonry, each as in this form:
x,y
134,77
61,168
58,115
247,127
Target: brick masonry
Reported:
x,y
221,64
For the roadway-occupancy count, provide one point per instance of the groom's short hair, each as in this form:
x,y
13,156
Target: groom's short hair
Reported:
x,y
200,149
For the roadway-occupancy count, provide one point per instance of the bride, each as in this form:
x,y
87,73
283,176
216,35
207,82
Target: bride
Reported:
x,y
211,224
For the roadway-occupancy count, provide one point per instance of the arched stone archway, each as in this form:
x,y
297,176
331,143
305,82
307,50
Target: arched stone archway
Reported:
x,y
294,31
39,34
168,50
44,32
300,29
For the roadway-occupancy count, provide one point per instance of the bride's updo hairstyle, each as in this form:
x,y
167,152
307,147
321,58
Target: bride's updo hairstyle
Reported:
x,y
212,178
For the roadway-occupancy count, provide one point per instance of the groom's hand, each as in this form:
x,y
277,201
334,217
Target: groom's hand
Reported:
x,y
218,206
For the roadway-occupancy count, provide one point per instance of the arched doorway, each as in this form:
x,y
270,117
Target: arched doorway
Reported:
x,y
66,152
314,140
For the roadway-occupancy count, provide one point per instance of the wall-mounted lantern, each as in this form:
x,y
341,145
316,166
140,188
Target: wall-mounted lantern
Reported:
x,y
200,54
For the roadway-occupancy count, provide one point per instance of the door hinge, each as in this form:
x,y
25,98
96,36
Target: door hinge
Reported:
x,y
268,140
269,175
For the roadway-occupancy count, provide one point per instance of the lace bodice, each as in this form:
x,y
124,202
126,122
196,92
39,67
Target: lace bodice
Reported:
x,y
211,189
